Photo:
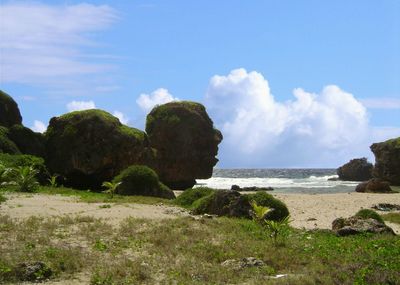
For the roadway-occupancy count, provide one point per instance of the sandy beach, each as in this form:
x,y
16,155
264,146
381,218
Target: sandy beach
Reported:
x,y
309,211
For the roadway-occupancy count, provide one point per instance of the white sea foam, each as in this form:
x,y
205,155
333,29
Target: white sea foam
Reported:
x,y
277,183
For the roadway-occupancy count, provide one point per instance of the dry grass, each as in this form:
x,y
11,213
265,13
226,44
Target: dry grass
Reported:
x,y
185,251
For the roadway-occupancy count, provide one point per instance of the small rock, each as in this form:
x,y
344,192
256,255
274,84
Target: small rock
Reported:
x,y
242,263
250,189
356,225
36,271
386,207
311,219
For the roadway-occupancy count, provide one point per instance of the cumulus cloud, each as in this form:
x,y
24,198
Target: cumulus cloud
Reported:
x,y
41,42
38,126
311,129
160,96
80,105
122,117
381,103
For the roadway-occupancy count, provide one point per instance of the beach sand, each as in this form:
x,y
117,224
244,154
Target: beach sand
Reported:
x,y
307,211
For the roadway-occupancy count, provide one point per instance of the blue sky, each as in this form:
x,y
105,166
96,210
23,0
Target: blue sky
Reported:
x,y
289,83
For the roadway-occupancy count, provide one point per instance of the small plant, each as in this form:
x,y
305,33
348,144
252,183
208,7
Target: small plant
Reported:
x,y
4,174
277,229
24,179
53,181
369,214
111,188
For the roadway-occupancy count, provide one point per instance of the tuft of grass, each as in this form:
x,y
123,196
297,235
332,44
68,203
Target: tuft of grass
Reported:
x,y
392,217
2,198
369,214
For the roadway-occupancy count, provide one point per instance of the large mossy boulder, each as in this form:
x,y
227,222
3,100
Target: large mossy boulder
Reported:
x,y
7,145
141,180
185,141
27,141
92,146
358,169
189,196
9,111
387,160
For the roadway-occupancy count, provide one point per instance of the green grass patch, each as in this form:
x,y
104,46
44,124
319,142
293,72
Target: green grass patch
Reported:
x,y
369,214
392,217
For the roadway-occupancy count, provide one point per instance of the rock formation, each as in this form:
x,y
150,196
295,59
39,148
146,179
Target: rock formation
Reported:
x,y
7,145
374,185
27,141
9,112
90,147
358,169
357,225
185,141
387,160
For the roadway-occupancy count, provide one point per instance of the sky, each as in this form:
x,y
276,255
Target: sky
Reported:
x,y
289,83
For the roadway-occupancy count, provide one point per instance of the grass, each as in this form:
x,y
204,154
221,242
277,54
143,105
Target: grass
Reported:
x,y
185,251
95,197
392,217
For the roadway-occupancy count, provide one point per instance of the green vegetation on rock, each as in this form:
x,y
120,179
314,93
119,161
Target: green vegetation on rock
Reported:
x,y
9,112
369,214
27,141
189,196
280,210
141,180
7,145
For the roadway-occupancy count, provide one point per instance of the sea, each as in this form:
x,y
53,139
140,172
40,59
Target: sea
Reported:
x,y
311,181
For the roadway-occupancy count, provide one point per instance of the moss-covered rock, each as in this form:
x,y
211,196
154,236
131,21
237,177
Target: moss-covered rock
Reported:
x,y
7,145
189,196
141,180
92,146
358,169
27,141
279,209
186,143
369,214
9,112
387,160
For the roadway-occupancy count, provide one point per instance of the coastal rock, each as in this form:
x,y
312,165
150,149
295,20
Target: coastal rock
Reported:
x,y
92,146
358,169
224,203
250,189
374,185
7,145
387,160
185,141
386,207
357,225
9,111
27,141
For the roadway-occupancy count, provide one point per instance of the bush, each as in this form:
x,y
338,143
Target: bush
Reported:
x,y
369,214
141,180
7,145
189,196
22,160
280,210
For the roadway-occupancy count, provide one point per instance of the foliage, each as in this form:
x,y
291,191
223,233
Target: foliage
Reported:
x,y
111,188
2,198
259,212
6,144
24,178
141,180
369,214
189,196
53,180
4,174
14,161
279,210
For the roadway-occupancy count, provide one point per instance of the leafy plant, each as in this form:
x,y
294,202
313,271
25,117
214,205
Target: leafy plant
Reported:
x,y
24,178
259,212
111,188
53,180
4,174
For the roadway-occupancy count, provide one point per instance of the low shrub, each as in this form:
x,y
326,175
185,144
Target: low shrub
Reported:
x,y
280,210
369,214
7,145
189,196
141,180
25,160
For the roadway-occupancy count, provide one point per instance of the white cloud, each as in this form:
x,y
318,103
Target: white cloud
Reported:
x,y
38,126
122,118
80,105
160,96
310,130
381,103
41,42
